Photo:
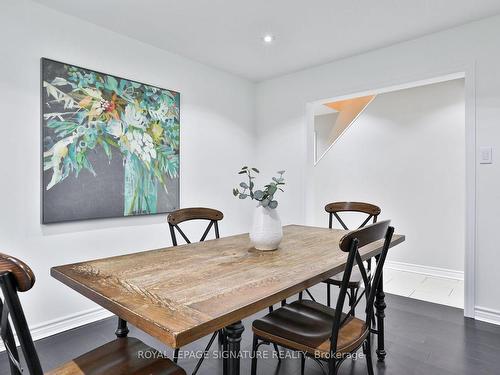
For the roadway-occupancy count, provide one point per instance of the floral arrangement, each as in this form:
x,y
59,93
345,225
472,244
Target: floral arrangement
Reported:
x,y
264,196
95,112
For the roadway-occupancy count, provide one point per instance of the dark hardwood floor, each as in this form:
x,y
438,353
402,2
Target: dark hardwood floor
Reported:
x,y
421,338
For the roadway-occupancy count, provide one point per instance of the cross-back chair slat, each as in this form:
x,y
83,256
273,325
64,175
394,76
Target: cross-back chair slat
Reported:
x,y
195,213
335,208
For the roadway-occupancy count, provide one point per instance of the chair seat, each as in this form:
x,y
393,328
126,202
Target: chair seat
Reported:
x,y
120,357
307,326
354,281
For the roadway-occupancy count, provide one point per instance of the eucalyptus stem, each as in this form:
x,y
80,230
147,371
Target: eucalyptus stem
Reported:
x,y
264,196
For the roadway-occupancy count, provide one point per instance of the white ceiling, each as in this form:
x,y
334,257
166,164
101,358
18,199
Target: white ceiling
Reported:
x,y
227,33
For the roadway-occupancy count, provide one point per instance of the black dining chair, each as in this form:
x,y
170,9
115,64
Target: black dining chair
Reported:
x,y
120,356
188,214
334,210
324,334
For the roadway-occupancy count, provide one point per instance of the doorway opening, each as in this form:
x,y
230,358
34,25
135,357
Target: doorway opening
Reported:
x,y
405,149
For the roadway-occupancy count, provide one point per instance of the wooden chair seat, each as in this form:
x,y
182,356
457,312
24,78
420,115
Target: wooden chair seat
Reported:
x,y
306,326
128,356
354,281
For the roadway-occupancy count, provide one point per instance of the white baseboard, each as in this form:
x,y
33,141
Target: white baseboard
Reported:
x,y
55,326
487,315
425,270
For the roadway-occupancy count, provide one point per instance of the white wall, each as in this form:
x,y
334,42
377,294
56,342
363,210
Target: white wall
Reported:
x,y
281,119
217,137
405,153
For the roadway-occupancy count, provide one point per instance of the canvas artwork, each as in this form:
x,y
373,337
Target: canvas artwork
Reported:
x,y
110,145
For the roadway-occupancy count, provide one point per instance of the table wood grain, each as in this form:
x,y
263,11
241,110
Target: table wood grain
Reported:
x,y
180,294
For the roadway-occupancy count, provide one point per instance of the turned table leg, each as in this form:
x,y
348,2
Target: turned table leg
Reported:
x,y
122,329
232,340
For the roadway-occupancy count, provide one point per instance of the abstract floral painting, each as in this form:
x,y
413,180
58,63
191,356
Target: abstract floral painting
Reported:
x,y
110,145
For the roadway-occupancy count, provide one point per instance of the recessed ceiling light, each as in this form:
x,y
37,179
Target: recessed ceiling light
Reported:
x,y
268,38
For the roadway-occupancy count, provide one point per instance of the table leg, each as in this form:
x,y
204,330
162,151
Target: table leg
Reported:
x,y
122,329
380,306
224,353
232,347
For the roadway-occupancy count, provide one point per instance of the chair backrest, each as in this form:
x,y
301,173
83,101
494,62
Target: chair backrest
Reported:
x,y
195,213
16,276
351,243
334,208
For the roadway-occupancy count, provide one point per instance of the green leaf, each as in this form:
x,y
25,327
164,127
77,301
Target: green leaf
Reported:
x,y
243,168
255,170
235,192
259,194
107,149
244,185
111,84
79,158
273,204
243,196
242,172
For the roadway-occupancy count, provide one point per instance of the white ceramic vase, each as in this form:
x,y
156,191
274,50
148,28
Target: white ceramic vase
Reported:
x,y
267,231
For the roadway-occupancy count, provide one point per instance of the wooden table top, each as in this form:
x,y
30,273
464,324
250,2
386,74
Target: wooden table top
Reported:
x,y
180,294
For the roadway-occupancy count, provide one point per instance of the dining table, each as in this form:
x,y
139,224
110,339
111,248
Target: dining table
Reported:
x,y
181,294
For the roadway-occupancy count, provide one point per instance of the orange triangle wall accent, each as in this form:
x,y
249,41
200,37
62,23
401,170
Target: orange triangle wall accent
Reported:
x,y
348,110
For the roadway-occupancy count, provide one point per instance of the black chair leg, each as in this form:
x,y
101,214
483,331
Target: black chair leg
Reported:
x,y
328,296
302,363
277,349
254,355
368,354
176,355
332,367
205,352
